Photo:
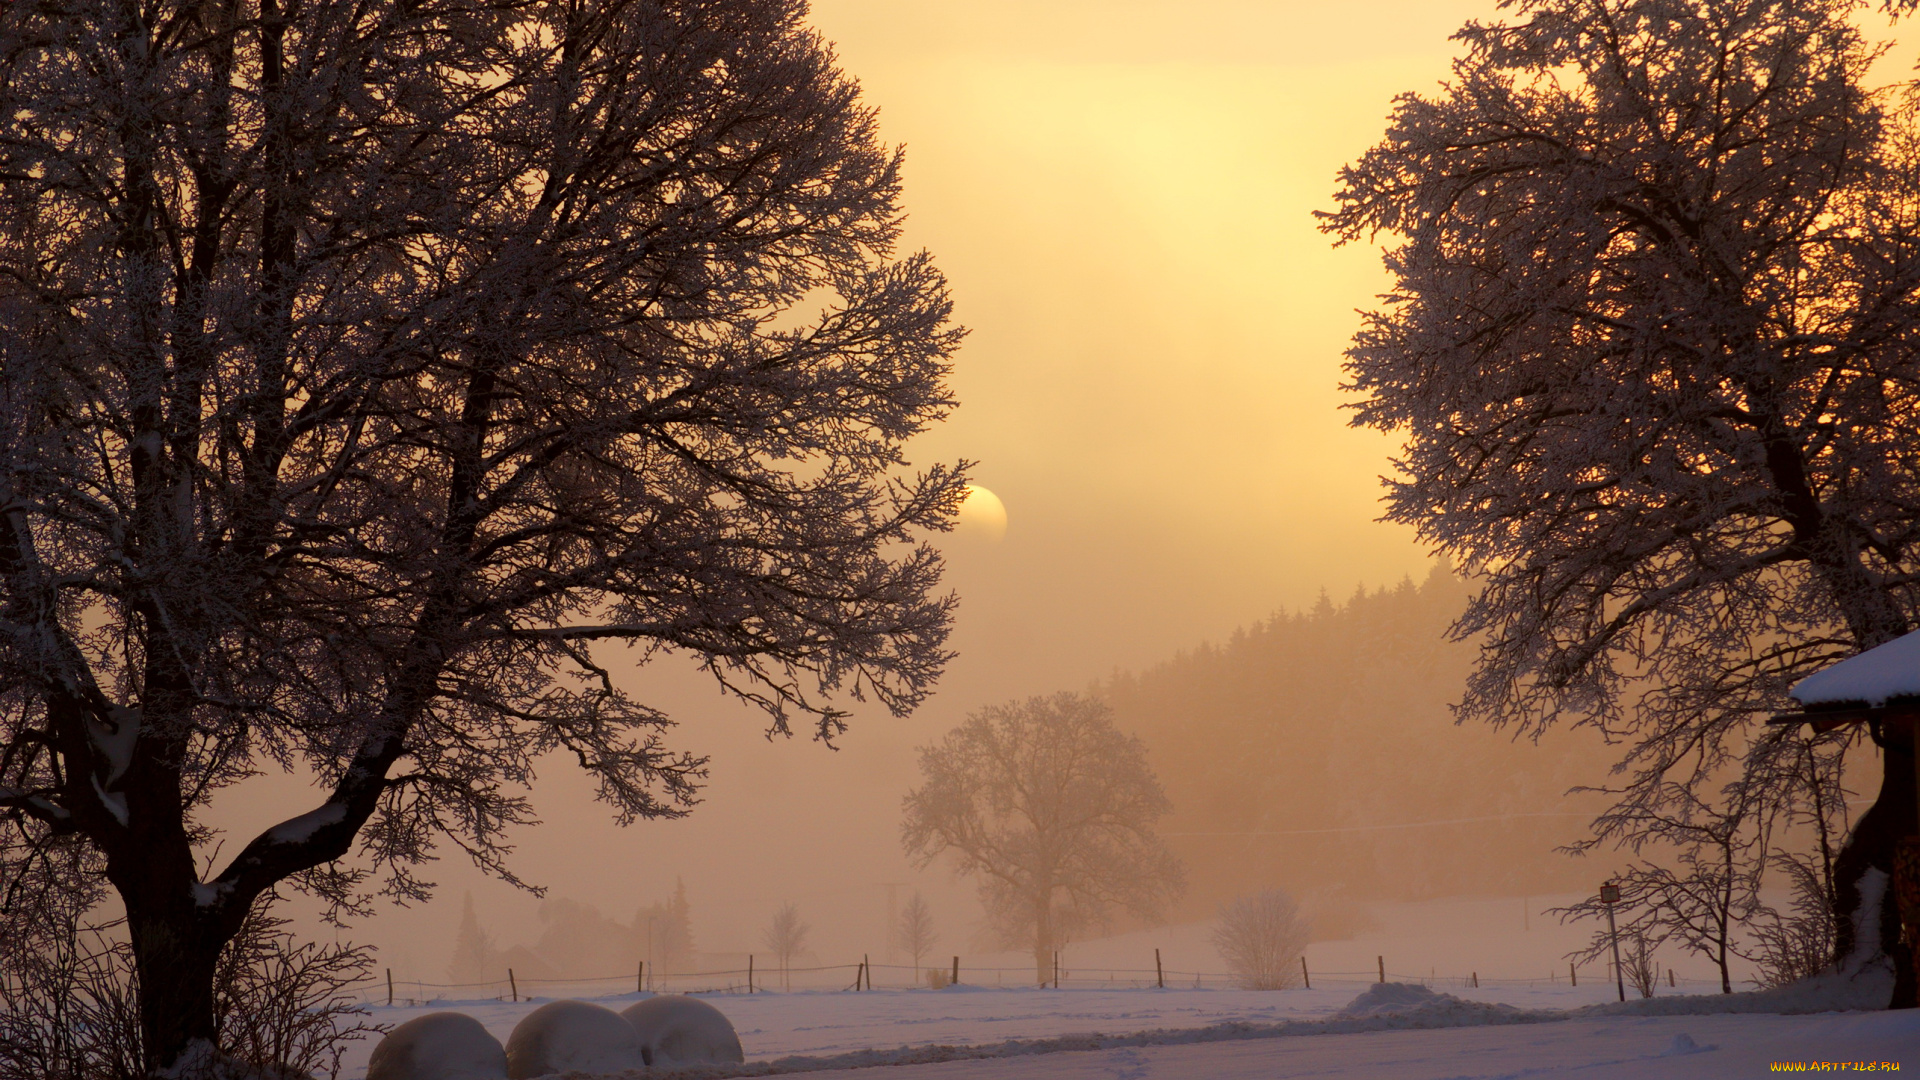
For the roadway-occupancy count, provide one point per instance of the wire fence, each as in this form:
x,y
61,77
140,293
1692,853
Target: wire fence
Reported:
x,y
860,976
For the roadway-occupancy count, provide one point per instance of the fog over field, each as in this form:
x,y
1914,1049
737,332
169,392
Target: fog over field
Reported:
x,y
1121,194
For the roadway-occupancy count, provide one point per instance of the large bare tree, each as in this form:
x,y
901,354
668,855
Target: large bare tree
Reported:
x,y
372,371
1053,809
1652,344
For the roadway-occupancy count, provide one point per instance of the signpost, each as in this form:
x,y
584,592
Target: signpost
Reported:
x,y
1610,895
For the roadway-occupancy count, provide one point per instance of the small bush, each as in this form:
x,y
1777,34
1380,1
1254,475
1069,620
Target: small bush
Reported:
x,y
1261,937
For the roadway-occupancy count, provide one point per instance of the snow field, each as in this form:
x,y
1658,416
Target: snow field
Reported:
x,y
1515,950
1327,1031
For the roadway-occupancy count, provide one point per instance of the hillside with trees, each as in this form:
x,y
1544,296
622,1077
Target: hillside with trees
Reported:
x,y
1314,751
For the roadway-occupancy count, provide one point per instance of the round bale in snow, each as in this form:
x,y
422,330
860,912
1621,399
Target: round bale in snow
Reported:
x,y
439,1046
576,1036
676,1030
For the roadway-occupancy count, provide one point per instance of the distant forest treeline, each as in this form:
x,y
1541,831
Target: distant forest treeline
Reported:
x,y
1337,719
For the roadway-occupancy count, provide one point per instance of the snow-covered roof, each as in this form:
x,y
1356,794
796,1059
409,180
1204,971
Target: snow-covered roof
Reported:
x,y
1873,677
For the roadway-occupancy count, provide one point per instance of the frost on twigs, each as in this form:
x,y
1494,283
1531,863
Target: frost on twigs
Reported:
x,y
380,382
1261,938
1649,344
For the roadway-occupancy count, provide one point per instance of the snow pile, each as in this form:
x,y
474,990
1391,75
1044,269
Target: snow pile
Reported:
x,y
1683,1045
1410,1005
572,1036
1867,989
679,1030
439,1046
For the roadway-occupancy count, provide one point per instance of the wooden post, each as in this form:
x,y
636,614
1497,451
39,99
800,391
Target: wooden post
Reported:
x,y
1056,969
1382,961
1669,976
1573,974
511,985
640,979
389,986
866,967
1159,975
956,972
749,973
1476,980
1305,979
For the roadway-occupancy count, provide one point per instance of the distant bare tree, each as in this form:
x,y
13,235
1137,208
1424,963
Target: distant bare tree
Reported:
x,y
1657,279
1261,938
1053,809
786,936
375,375
1699,895
915,932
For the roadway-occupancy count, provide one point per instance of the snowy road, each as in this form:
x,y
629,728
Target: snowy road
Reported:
x,y
1641,1048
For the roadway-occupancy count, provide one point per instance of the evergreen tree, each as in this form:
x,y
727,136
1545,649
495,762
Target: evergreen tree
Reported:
x,y
472,949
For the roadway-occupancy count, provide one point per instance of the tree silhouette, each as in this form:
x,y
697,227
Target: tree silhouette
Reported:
x,y
786,936
1650,345
915,932
371,372
1053,809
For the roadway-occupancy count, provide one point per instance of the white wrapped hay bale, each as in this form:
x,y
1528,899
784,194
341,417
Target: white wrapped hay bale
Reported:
x,y
439,1046
676,1030
578,1036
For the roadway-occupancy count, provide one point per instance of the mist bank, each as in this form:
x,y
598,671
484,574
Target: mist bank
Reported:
x,y
1316,752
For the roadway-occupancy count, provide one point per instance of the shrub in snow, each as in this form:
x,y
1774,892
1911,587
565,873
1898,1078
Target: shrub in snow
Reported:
x,y
1260,937
563,1036
677,1030
439,1046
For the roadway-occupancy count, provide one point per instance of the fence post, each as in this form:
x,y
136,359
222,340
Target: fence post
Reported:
x,y
640,979
1670,977
511,985
1382,961
866,968
1476,980
749,973
1573,974
1056,969
956,972
1304,977
1159,975
389,986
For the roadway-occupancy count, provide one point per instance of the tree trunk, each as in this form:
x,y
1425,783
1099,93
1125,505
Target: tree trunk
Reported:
x,y
176,947
1870,847
1043,939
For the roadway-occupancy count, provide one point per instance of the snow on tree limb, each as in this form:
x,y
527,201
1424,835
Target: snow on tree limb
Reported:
x,y
353,353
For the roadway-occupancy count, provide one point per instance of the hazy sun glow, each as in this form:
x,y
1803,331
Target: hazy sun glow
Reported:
x,y
983,514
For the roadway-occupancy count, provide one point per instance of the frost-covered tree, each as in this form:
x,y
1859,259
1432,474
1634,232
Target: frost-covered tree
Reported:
x,y
1651,345
374,376
1053,809
915,932
1261,938
786,938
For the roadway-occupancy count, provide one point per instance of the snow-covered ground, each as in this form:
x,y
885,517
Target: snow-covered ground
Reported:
x,y
1215,1032
830,1023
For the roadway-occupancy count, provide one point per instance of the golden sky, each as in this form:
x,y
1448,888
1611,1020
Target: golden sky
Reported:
x,y
1121,194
